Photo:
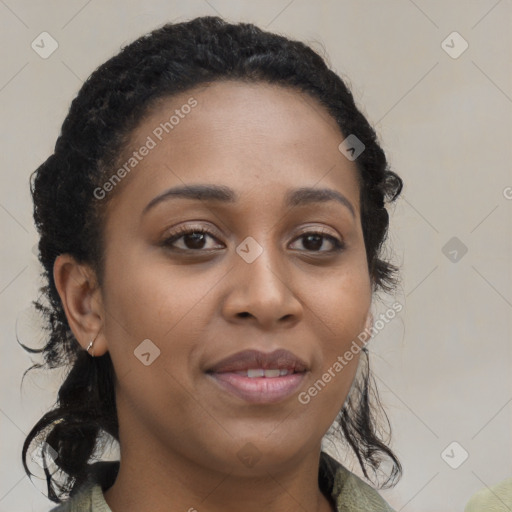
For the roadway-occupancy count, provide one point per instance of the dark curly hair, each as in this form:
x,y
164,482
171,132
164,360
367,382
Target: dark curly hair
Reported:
x,y
110,104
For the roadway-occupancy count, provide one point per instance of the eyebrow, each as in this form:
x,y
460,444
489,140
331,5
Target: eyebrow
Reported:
x,y
296,197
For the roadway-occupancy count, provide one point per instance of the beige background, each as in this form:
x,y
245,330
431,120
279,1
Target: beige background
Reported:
x,y
443,365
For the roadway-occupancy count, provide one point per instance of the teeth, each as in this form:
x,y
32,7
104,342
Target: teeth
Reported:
x,y
260,372
256,373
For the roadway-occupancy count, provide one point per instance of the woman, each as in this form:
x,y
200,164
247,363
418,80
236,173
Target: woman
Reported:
x,y
211,222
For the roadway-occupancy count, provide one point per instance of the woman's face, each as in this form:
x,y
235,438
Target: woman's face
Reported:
x,y
274,261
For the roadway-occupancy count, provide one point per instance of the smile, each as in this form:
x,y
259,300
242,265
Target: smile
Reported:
x,y
258,377
260,372
259,389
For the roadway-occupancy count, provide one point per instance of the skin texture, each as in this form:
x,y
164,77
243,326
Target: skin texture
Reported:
x,y
180,433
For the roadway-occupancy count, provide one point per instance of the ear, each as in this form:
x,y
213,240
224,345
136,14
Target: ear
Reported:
x,y
82,302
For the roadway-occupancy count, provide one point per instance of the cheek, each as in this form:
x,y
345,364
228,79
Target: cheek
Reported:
x,y
147,298
148,301
342,303
343,308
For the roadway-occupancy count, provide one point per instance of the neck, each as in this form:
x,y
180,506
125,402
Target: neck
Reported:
x,y
149,480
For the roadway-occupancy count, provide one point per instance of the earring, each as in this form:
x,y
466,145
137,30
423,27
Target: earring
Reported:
x,y
90,346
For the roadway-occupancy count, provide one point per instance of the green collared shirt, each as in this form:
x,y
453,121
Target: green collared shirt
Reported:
x,y
348,492
497,498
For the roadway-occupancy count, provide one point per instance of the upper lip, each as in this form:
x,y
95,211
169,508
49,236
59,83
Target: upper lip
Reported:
x,y
254,359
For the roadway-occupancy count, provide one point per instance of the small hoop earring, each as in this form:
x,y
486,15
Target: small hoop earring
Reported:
x,y
90,346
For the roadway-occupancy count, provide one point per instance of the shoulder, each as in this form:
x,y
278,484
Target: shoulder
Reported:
x,y
492,499
349,492
89,496
80,502
89,499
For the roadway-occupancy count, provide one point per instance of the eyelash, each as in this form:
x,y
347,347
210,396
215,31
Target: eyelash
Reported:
x,y
183,231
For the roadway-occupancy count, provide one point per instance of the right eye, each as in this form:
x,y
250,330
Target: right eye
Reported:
x,y
191,238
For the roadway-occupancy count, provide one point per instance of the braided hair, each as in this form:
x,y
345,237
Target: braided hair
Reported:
x,y
109,106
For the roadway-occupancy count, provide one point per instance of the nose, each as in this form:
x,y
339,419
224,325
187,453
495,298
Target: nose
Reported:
x,y
262,293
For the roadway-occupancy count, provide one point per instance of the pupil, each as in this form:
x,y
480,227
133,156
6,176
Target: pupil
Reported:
x,y
197,240
317,242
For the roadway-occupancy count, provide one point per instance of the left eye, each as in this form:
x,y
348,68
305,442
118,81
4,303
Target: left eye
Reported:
x,y
313,241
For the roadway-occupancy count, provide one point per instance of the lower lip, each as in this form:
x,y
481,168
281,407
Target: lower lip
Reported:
x,y
259,390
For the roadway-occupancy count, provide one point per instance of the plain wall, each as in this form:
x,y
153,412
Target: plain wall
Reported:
x,y
443,365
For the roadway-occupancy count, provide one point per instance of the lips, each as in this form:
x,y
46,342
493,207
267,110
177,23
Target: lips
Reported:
x,y
260,378
253,359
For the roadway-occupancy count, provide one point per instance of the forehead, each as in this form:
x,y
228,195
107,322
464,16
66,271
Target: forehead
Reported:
x,y
246,135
